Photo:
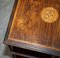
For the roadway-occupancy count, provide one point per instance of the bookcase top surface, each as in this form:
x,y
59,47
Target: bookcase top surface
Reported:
x,y
30,24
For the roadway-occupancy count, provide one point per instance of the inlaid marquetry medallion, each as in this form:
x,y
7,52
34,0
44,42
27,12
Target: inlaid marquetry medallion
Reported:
x,y
49,14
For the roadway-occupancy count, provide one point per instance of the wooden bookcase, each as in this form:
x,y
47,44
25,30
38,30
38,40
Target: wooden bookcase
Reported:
x,y
29,34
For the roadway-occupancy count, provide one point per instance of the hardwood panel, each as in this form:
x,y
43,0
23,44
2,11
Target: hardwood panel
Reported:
x,y
28,25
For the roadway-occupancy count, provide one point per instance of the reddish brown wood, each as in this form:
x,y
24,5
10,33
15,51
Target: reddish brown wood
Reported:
x,y
28,26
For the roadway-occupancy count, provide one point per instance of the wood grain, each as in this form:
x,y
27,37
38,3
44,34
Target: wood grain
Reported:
x,y
28,26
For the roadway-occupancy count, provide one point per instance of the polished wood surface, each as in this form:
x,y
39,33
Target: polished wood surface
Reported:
x,y
27,25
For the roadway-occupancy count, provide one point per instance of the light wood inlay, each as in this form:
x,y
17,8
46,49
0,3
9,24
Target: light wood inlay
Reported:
x,y
28,25
49,14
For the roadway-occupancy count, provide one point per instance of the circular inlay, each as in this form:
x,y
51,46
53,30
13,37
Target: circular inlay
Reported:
x,y
49,14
